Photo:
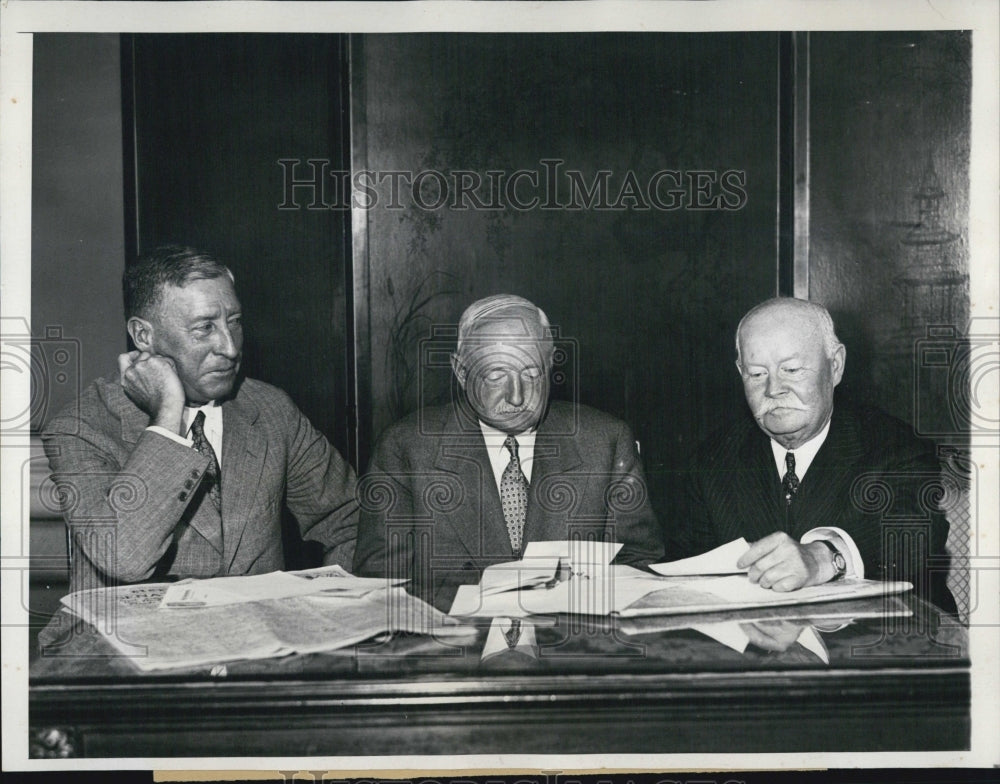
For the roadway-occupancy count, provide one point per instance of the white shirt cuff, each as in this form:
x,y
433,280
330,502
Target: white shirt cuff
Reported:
x,y
840,539
174,437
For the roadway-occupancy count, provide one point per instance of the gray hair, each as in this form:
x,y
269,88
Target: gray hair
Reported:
x,y
497,307
819,316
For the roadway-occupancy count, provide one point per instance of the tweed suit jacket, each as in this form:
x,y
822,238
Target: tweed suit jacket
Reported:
x,y
431,509
135,502
872,478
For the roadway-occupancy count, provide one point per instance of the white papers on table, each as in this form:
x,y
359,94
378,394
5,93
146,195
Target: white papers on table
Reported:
x,y
578,554
721,560
608,588
530,572
131,619
730,592
219,591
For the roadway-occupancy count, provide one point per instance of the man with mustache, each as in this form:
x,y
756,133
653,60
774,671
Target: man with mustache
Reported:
x,y
804,480
177,466
451,490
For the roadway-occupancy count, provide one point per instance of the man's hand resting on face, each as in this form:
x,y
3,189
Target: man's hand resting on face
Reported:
x,y
152,383
779,562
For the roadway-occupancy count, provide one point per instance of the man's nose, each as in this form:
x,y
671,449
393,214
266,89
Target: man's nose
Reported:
x,y
227,344
515,391
775,386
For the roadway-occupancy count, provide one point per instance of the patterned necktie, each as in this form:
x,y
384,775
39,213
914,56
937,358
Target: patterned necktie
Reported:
x,y
514,497
790,482
214,473
513,634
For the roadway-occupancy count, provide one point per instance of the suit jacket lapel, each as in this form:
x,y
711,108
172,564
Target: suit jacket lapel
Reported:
x,y
244,448
554,455
134,423
759,485
822,493
478,523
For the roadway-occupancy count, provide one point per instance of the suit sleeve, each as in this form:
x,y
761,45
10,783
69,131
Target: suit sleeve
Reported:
x,y
893,517
121,509
692,530
321,491
384,493
629,509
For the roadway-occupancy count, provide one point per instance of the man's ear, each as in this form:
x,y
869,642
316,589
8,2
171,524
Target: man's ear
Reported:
x,y
141,332
837,363
458,369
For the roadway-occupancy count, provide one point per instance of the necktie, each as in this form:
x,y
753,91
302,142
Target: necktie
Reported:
x,y
513,634
790,482
213,476
514,497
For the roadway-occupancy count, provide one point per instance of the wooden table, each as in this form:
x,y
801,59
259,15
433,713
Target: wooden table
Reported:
x,y
584,687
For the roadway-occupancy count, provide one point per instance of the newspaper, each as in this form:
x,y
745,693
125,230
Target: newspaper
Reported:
x,y
131,619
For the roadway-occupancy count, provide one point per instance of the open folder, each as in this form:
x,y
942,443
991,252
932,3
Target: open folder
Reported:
x,y
592,585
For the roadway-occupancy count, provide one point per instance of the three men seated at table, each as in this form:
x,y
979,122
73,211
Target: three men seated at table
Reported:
x,y
178,467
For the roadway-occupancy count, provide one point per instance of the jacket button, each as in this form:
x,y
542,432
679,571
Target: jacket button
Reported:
x,y
194,474
189,484
182,497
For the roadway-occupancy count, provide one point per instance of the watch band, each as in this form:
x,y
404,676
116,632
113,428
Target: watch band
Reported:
x,y
837,558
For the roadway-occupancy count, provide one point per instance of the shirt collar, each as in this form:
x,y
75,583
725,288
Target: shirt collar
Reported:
x,y
494,438
804,453
213,414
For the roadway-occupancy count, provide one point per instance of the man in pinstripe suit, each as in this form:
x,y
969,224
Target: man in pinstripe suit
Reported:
x,y
817,488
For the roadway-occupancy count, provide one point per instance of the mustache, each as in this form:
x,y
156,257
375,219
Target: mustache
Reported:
x,y
767,408
509,409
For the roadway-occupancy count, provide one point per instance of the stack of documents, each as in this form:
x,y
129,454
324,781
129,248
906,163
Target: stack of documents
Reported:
x,y
203,622
585,582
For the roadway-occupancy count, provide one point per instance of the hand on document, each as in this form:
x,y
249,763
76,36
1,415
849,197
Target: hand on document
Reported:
x,y
777,562
780,563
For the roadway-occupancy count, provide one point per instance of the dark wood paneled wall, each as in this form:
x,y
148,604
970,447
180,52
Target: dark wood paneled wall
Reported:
x,y
213,116
646,298
888,227
76,213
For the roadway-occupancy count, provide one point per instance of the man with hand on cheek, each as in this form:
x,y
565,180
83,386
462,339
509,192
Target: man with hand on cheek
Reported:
x,y
790,479
178,467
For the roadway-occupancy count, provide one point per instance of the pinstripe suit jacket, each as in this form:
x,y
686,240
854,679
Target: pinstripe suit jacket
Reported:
x,y
134,500
431,509
872,478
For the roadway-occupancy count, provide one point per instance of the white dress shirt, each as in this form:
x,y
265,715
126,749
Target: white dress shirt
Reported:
x,y
500,457
838,537
213,427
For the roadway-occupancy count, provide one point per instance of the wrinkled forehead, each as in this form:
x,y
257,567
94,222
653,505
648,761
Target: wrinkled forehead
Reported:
x,y
195,294
781,330
516,334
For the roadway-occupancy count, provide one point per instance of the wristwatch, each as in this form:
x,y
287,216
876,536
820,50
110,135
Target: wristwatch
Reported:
x,y
838,560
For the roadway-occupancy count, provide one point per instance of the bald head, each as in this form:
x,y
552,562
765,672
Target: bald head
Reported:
x,y
810,315
790,360
502,361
